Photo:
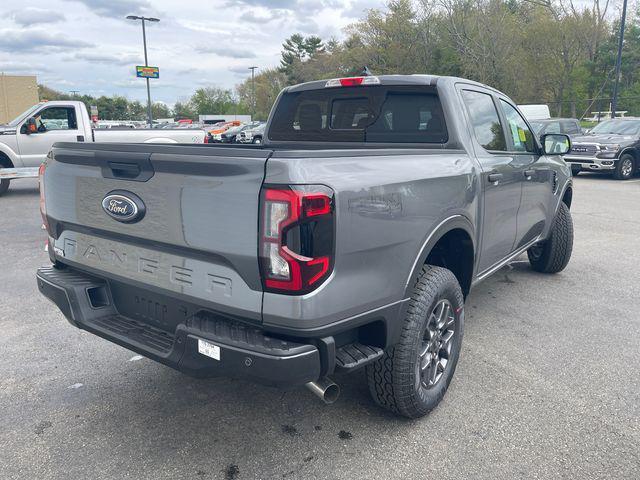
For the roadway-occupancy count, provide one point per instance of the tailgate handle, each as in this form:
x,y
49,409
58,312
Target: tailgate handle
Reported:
x,y
124,170
132,166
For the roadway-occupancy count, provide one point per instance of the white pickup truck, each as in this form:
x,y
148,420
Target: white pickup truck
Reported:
x,y
26,140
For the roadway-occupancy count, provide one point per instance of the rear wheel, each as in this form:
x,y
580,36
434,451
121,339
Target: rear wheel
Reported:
x,y
257,140
625,167
411,378
4,184
553,254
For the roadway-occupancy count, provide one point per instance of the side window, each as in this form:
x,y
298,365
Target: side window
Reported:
x,y
57,118
553,127
570,128
520,133
484,119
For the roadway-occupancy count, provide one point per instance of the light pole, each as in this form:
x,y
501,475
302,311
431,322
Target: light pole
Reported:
x,y
614,103
253,92
146,61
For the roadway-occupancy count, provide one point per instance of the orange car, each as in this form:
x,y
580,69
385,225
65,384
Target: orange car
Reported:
x,y
224,127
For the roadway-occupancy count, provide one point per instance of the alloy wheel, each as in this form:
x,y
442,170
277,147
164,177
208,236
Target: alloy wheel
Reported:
x,y
435,349
627,167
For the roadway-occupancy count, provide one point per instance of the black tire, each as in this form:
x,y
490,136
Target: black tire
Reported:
x,y
256,140
395,380
625,167
553,254
4,184
575,169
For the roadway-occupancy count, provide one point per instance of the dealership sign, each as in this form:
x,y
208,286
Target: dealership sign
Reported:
x,y
147,72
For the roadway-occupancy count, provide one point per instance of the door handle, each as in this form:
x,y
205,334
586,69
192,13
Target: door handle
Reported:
x,y
494,177
529,173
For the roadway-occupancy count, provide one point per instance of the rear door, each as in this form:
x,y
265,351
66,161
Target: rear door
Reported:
x,y
197,238
501,177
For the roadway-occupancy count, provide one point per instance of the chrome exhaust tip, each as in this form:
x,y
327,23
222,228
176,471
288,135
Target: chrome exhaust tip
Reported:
x,y
325,389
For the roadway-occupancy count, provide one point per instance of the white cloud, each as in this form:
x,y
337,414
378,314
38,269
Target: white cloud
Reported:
x,y
117,8
18,41
34,16
92,48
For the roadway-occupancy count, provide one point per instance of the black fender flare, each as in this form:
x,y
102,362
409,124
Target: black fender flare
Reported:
x,y
568,185
457,221
632,150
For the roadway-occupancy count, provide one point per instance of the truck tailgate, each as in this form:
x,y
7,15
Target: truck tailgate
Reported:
x,y
198,235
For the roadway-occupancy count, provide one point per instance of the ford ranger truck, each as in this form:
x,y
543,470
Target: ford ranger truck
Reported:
x,y
349,239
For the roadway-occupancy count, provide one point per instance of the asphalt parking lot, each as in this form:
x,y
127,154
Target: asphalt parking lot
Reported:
x,y
548,385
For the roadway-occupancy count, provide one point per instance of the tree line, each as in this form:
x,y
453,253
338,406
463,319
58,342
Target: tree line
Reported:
x,y
558,52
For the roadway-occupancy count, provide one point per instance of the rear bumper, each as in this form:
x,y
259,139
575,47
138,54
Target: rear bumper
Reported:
x,y
245,351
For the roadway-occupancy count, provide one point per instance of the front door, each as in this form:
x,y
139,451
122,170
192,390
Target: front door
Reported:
x,y
55,124
501,178
536,177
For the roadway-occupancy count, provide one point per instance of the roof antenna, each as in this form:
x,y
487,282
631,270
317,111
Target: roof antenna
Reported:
x,y
366,72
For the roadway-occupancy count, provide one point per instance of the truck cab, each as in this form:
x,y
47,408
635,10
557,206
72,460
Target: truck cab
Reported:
x,y
37,129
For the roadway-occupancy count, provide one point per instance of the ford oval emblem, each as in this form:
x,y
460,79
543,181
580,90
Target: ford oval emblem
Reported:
x,y
123,206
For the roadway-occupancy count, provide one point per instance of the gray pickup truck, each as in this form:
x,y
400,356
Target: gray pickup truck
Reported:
x,y
349,238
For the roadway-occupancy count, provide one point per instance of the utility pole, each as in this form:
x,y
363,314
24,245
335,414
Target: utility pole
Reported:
x,y
253,92
614,103
74,93
146,60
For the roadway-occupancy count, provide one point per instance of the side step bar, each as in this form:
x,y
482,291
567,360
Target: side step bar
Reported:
x,y
14,173
356,355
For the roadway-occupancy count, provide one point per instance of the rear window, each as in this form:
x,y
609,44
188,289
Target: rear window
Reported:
x,y
360,114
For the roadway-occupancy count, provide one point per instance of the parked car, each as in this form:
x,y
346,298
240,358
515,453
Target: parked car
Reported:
x,y
612,146
231,135
26,140
252,135
349,240
568,126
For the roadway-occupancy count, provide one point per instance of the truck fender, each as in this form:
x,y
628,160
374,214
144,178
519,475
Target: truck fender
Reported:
x,y
160,140
11,155
446,225
632,150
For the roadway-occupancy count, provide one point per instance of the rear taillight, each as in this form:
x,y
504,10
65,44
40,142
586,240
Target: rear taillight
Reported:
x,y
43,206
296,238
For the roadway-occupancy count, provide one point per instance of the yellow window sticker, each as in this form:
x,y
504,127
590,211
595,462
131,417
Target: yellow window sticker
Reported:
x,y
522,135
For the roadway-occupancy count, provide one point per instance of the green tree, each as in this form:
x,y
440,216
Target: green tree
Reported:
x,y
212,100
268,85
183,110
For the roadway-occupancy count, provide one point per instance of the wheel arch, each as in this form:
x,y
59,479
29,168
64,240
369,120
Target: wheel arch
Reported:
x,y
5,159
633,151
451,244
567,195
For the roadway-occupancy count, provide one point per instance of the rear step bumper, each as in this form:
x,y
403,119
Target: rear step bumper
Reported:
x,y
245,351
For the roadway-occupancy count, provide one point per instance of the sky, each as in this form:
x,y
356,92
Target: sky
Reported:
x,y
89,46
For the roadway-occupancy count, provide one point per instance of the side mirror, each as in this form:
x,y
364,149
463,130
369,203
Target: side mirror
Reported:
x,y
30,126
555,144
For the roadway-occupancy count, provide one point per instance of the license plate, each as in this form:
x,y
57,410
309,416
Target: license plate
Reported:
x,y
208,349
